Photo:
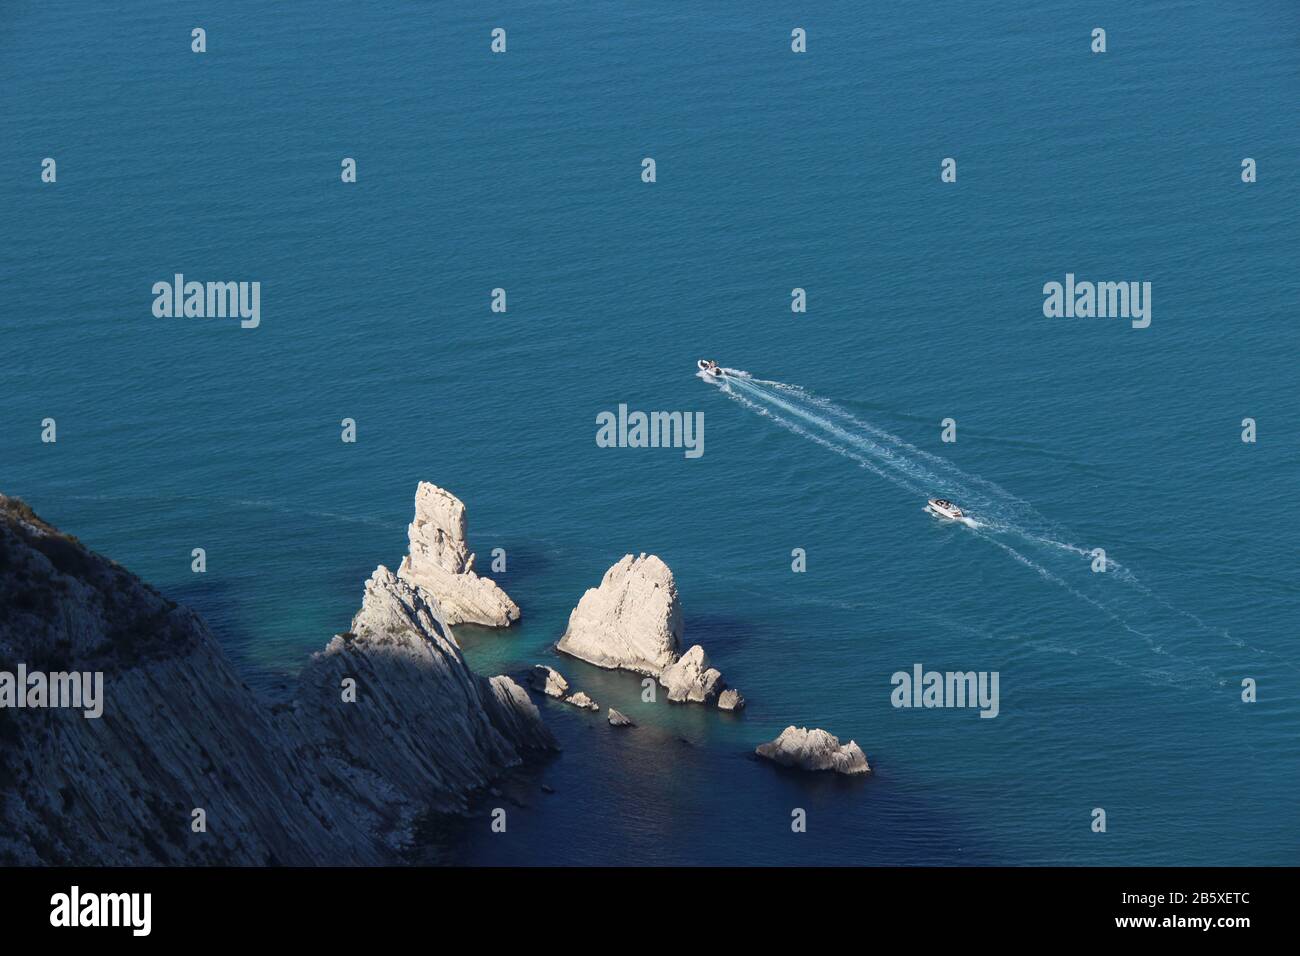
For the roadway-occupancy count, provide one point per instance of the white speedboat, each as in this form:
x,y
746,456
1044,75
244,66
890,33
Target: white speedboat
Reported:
x,y
945,508
709,367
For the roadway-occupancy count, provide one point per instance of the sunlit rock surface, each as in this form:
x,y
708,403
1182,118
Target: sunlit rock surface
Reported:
x,y
439,560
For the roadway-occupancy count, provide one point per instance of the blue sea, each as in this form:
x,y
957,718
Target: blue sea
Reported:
x,y
1119,690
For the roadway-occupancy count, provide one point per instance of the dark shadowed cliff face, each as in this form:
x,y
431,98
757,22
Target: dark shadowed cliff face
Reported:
x,y
316,780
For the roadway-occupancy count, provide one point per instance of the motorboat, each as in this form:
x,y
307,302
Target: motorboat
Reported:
x,y
945,508
709,367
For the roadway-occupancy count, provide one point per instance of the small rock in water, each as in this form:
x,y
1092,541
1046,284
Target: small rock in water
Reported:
x,y
814,750
731,700
548,681
580,699
618,719
691,678
547,788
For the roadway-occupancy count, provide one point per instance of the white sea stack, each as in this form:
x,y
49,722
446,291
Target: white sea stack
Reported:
x,y
441,563
731,699
690,678
633,621
619,719
548,681
814,750
580,699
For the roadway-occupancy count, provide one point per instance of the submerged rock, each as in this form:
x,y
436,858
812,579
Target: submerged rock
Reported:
x,y
633,622
619,719
317,780
814,750
440,562
548,681
580,699
731,699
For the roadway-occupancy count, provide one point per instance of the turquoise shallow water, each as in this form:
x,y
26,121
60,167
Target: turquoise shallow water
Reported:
x,y
1118,691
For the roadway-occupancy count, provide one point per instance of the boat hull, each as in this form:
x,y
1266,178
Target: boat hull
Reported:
x,y
952,513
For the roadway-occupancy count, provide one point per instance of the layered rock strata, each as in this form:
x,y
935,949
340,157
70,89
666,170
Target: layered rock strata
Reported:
x,y
320,778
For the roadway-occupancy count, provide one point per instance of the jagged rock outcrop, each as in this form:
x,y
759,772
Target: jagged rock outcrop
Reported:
x,y
514,714
548,681
619,719
420,720
440,561
731,699
633,622
580,699
313,781
690,678
814,750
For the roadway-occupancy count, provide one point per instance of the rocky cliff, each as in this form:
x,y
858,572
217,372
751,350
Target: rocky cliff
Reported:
x,y
440,562
418,720
315,780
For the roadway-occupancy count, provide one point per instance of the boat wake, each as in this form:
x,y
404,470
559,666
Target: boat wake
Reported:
x,y
995,515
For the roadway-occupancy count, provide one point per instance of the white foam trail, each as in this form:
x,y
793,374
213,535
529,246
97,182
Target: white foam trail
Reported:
x,y
812,436
995,513
913,469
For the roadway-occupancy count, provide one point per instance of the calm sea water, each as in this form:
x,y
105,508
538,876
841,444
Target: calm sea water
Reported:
x,y
1119,691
